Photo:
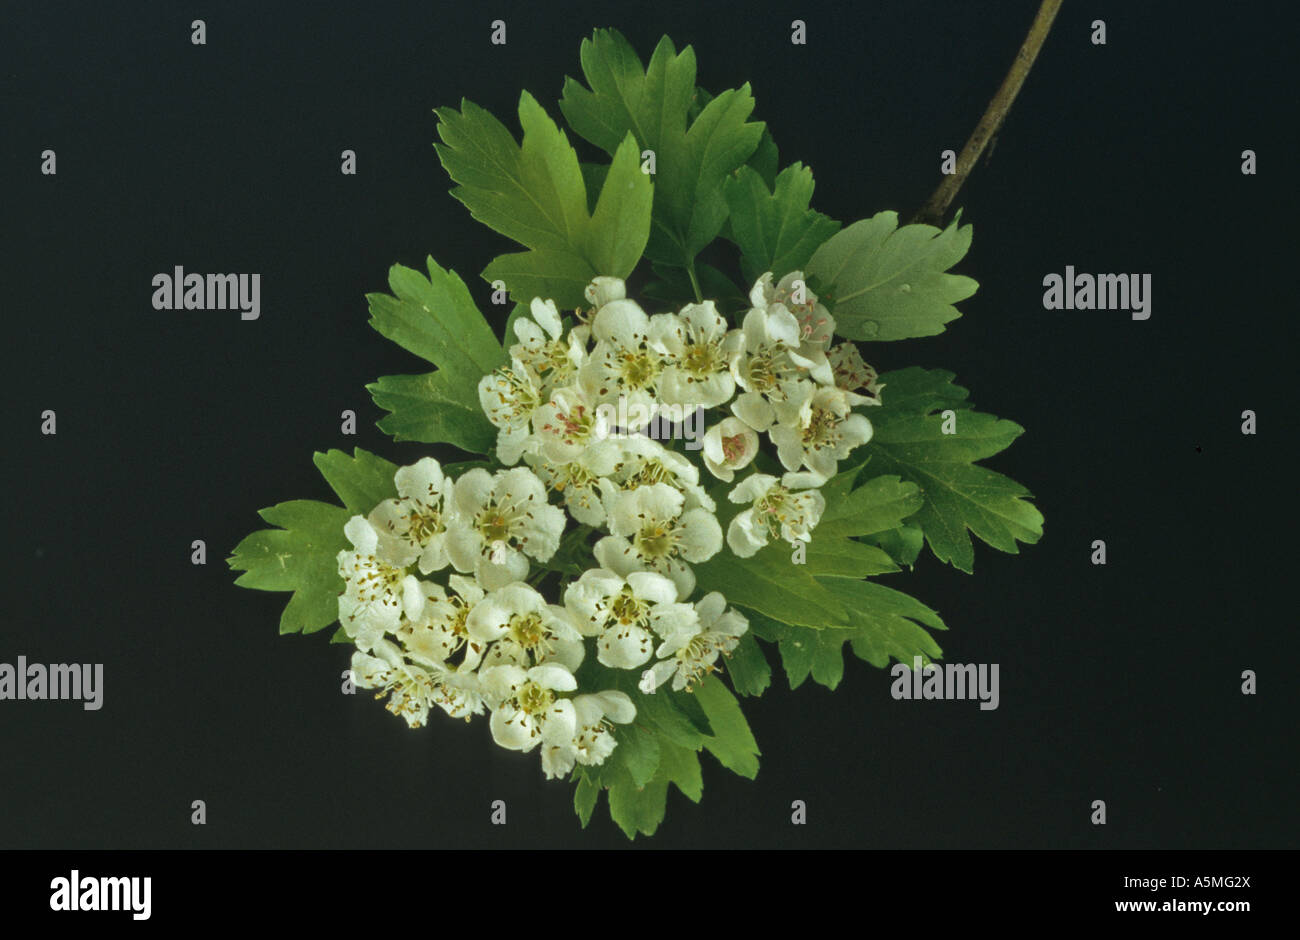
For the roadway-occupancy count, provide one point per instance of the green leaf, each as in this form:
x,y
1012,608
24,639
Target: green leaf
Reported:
x,y
535,193
883,282
878,505
775,229
961,498
584,798
732,743
362,481
748,668
902,544
766,159
424,409
436,319
638,751
811,652
561,276
665,711
886,623
653,103
299,556
636,809
771,584
680,766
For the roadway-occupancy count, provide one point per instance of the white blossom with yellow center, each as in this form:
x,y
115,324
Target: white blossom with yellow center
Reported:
x,y
690,654
625,614
498,519
788,508
828,433
651,532
412,528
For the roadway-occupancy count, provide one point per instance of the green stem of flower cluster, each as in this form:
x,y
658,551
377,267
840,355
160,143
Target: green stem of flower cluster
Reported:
x,y
695,283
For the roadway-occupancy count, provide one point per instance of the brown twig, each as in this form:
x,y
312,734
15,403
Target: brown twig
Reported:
x,y
934,210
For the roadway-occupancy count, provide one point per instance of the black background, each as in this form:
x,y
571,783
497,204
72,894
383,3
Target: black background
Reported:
x,y
1119,683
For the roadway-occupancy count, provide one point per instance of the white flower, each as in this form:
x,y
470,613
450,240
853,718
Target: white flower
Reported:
x,y
527,712
603,289
729,445
650,532
816,325
412,527
623,364
558,759
622,613
581,482
439,631
376,593
697,370
567,423
410,689
508,398
524,630
854,376
825,437
553,358
691,653
594,741
646,461
777,511
774,389
496,520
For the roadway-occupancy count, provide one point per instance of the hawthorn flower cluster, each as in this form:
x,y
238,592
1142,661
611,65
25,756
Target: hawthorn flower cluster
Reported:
x,y
439,583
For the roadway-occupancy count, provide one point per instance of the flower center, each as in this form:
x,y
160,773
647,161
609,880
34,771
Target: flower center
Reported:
x,y
533,698
529,632
733,448
627,609
424,525
638,369
494,525
821,429
655,540
702,358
